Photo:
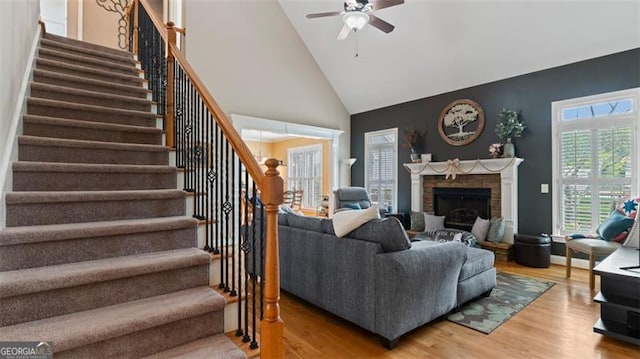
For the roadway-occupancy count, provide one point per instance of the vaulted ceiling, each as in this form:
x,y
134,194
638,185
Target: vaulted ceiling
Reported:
x,y
444,45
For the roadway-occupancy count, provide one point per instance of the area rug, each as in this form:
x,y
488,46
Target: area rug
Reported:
x,y
510,296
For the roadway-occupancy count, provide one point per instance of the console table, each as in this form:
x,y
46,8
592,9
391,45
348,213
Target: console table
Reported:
x,y
619,296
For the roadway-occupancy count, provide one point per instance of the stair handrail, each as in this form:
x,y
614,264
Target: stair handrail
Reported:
x,y
270,183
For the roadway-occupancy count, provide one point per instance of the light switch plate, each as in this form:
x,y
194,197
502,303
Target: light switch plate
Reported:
x,y
544,188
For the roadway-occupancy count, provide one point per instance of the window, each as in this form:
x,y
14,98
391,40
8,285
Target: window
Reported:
x,y
596,158
305,173
381,148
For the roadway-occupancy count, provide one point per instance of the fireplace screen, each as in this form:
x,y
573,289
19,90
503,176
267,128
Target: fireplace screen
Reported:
x,y
461,206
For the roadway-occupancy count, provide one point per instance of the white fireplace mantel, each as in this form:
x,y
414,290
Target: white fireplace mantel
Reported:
x,y
506,167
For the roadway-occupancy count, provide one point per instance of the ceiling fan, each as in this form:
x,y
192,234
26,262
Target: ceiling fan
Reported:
x,y
358,13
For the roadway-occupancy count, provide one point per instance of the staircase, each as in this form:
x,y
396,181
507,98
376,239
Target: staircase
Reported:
x,y
97,255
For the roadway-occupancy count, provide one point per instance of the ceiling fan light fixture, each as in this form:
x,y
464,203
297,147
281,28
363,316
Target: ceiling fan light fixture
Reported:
x,y
355,20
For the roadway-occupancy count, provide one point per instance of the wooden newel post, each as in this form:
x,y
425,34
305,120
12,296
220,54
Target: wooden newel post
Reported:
x,y
169,125
136,15
272,327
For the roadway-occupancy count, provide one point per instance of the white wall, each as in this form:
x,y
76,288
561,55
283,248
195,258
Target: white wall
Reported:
x,y
19,19
254,63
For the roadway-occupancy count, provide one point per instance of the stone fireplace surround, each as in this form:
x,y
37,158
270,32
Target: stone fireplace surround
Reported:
x,y
500,175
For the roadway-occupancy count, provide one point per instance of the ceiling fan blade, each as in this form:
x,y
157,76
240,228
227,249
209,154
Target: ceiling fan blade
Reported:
x,y
323,14
381,4
344,32
380,24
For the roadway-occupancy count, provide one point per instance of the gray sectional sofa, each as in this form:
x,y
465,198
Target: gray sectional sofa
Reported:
x,y
376,277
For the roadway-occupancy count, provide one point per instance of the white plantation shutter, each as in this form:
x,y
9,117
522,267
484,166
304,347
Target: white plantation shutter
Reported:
x,y
596,156
304,172
381,166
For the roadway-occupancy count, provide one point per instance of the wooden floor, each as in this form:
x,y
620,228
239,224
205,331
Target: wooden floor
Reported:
x,y
556,325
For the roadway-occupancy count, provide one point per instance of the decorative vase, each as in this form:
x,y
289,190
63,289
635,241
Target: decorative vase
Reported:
x,y
415,156
509,149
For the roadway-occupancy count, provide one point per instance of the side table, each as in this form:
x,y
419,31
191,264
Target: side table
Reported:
x,y
502,251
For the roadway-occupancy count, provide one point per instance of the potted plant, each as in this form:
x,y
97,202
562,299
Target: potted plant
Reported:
x,y
414,140
510,126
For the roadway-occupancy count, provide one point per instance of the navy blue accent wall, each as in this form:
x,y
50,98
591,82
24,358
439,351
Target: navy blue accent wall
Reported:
x,y
532,94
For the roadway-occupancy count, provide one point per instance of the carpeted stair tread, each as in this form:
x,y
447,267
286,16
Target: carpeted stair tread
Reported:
x,y
124,58
30,166
84,328
55,127
45,245
60,176
42,279
32,208
213,347
77,59
74,111
61,232
49,149
54,78
67,94
90,72
88,45
70,143
90,196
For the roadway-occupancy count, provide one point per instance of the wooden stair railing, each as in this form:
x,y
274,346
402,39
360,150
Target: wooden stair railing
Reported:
x,y
221,172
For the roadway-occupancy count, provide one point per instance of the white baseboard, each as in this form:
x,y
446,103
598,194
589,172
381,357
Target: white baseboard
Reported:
x,y
10,152
575,262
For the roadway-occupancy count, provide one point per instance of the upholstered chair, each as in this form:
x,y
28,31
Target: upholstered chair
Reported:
x,y
351,198
593,247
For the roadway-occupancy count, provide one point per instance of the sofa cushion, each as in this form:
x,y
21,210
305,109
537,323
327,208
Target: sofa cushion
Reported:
x,y
432,222
417,221
347,221
496,229
478,261
386,231
327,226
480,229
282,219
302,222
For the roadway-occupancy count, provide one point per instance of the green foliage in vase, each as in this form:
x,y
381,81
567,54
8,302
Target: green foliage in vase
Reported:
x,y
510,124
414,138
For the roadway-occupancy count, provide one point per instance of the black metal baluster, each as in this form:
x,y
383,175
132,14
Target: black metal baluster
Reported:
x,y
226,208
232,239
216,203
245,251
254,278
261,259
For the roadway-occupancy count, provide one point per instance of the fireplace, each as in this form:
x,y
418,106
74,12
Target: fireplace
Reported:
x,y
499,175
461,206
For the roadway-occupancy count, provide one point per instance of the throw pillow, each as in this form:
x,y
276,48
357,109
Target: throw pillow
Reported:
x,y
496,229
432,222
347,221
614,225
352,205
629,207
386,231
480,229
417,221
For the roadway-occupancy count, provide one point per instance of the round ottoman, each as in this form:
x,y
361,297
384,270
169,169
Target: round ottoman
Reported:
x,y
532,250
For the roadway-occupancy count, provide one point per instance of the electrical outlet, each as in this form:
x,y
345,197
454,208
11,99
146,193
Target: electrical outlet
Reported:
x,y
544,188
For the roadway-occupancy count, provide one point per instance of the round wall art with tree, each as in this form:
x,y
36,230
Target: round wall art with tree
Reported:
x,y
461,122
